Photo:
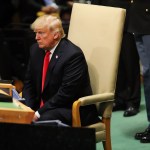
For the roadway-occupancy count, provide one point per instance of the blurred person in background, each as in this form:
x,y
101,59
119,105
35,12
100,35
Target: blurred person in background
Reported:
x,y
139,24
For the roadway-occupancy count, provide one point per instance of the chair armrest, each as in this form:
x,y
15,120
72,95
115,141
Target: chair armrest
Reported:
x,y
87,100
76,121
98,98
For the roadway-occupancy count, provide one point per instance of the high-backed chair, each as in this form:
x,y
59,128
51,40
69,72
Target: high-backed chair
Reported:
x,y
98,30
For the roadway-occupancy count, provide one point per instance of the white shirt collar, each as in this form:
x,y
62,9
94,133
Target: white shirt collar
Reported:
x,y
53,49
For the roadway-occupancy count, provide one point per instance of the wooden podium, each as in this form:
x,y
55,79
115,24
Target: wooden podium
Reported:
x,y
15,111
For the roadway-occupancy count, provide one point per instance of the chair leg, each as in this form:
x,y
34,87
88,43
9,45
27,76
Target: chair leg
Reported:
x,y
107,145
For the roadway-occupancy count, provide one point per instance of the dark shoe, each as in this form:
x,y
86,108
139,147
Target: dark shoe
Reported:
x,y
145,138
117,107
140,135
130,111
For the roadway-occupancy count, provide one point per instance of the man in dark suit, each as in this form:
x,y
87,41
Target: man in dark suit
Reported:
x,y
128,95
139,24
67,77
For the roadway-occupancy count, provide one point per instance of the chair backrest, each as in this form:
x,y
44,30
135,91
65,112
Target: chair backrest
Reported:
x,y
98,30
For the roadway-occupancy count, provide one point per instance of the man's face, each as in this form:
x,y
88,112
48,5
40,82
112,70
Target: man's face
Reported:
x,y
45,38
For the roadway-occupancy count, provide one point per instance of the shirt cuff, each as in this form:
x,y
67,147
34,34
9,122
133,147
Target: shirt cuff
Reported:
x,y
37,114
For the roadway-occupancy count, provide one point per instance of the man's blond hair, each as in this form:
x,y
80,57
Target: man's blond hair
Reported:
x,y
52,22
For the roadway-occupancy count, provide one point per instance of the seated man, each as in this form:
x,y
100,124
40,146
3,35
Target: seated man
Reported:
x,y
66,79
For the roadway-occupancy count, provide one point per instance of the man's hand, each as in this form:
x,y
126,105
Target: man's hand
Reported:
x,y
35,118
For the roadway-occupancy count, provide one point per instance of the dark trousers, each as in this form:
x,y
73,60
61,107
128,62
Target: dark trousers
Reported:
x,y
128,91
143,45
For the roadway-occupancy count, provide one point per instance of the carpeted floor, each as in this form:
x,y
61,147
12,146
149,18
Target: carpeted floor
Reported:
x,y
123,130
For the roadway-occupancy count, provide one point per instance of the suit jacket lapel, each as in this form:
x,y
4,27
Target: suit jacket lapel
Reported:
x,y
56,56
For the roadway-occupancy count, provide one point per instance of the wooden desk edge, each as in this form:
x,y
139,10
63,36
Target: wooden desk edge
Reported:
x,y
26,108
23,116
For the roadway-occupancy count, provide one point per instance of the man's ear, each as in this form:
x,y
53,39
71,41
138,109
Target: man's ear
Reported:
x,y
56,35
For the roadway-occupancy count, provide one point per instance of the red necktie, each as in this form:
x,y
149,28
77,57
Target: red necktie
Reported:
x,y
45,67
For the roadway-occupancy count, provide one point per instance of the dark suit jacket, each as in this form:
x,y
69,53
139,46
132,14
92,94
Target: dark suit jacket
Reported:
x,y
140,17
67,78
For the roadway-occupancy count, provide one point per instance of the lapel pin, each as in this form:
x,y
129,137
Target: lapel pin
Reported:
x,y
56,56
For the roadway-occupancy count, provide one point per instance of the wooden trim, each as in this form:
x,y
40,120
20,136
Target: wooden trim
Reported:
x,y
76,121
107,143
23,115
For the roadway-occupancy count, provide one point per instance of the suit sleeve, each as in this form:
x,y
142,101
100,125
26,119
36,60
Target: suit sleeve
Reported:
x,y
29,90
32,82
